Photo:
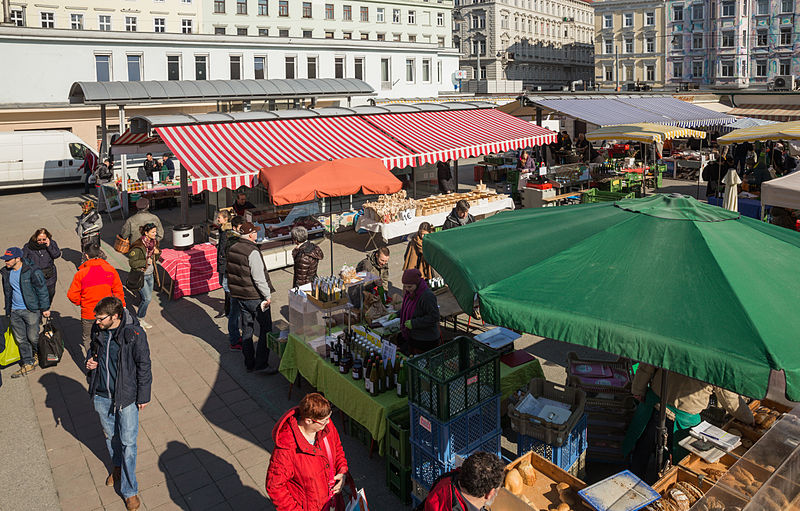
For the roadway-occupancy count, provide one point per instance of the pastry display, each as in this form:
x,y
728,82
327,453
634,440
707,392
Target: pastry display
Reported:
x,y
390,208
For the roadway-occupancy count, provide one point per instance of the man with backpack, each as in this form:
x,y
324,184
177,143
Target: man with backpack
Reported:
x,y
104,172
469,488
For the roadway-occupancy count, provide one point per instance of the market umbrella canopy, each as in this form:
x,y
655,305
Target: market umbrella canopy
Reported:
x,y
667,280
643,132
301,182
777,131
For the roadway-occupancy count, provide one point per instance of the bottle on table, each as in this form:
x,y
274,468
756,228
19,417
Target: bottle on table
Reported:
x,y
373,380
389,385
402,380
381,377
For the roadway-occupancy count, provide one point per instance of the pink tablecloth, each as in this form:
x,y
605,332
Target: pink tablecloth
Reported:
x,y
193,271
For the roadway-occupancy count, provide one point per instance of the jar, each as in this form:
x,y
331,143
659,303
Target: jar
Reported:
x,y
358,369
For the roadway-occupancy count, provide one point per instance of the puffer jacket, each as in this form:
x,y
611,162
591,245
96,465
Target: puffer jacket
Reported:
x,y
95,280
134,377
32,286
299,473
440,498
452,220
43,257
306,259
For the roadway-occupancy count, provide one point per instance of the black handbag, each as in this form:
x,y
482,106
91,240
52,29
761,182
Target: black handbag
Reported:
x,y
51,345
135,280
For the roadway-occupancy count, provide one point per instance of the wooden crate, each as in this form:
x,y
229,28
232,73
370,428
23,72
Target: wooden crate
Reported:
x,y
543,494
676,474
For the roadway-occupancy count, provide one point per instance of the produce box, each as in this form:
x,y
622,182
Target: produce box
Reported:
x,y
710,471
597,375
542,429
680,474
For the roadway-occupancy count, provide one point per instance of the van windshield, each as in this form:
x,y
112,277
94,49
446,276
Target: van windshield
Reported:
x,y
77,151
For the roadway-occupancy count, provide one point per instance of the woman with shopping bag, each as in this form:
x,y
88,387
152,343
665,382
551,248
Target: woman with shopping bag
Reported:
x,y
142,258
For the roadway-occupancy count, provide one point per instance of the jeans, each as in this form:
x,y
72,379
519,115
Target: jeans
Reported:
x,y
121,429
251,312
146,293
25,326
233,314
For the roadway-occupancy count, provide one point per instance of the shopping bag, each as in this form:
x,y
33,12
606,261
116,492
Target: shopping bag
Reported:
x,y
135,280
51,345
10,353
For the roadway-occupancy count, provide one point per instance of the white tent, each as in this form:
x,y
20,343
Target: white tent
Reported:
x,y
783,191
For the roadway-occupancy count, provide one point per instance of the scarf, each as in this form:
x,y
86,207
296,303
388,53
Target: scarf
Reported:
x,y
150,247
36,246
410,305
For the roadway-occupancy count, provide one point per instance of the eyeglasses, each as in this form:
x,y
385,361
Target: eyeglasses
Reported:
x,y
323,422
101,318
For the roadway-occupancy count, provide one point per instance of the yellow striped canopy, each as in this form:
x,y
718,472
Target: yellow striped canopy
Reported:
x,y
643,132
777,131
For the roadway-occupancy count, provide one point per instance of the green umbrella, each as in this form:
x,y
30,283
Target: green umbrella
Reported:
x,y
667,280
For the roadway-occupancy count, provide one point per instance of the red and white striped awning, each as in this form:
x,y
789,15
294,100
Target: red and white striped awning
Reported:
x,y
230,155
128,138
453,134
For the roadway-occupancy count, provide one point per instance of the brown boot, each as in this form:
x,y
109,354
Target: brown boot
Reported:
x,y
114,476
132,503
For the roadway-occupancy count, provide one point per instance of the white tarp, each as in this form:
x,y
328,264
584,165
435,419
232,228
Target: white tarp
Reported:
x,y
783,191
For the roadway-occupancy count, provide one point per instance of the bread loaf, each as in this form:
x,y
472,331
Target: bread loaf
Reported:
x,y
527,472
513,482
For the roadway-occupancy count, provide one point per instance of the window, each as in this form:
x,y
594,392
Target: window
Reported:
x,y
697,41
18,17
761,68
609,46
347,12
426,18
629,45
650,44
364,13
380,15
102,65
410,65
338,67
650,71
650,18
761,38
283,8
627,19
264,32
386,74
697,11
186,26
311,67
283,32
359,68
412,17
677,69
439,19
76,21
130,23
219,6
762,7
426,70
784,67
480,21
728,8
786,35
200,67
307,12
608,21
173,67
259,67
380,37
241,30
48,20
347,35
727,69
609,74
365,36
263,8
219,30
308,34
727,39
289,64
329,34
697,69
440,41
412,38
241,6
677,13
503,21
236,67
439,71
160,25
787,5
395,15
134,68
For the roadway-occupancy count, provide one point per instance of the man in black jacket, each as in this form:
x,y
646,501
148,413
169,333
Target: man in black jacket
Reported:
x,y
458,216
119,382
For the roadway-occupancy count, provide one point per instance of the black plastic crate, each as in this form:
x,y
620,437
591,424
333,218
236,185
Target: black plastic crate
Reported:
x,y
398,444
454,377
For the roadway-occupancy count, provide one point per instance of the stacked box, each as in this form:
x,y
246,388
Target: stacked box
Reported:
x,y
425,469
398,455
564,456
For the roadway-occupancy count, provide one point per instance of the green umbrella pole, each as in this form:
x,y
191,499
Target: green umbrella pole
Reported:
x,y
662,434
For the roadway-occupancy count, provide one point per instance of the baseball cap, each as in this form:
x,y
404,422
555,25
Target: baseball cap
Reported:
x,y
247,228
12,253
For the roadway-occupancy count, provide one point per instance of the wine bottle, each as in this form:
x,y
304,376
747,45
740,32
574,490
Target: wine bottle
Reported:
x,y
402,380
389,376
373,380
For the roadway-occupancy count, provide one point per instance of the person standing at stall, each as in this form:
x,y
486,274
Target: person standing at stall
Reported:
x,y
306,256
685,398
142,258
130,229
419,314
168,166
525,162
444,177
241,204
308,468
377,263
458,216
414,257
42,250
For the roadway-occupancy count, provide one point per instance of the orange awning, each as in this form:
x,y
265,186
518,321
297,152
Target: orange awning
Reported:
x,y
305,181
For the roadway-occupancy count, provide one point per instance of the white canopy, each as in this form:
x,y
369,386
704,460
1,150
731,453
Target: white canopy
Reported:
x,y
783,191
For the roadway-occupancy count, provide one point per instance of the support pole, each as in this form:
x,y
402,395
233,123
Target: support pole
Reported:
x,y
662,435
123,162
184,195
330,220
103,133
455,175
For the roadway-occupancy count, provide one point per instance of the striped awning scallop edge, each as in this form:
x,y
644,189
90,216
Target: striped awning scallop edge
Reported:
x,y
128,138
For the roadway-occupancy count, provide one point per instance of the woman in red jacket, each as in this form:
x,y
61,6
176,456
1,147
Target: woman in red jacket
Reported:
x,y
308,467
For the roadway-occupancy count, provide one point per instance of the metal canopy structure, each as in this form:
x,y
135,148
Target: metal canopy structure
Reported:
x,y
183,91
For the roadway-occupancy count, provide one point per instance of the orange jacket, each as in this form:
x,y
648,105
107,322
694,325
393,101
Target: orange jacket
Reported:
x,y
95,280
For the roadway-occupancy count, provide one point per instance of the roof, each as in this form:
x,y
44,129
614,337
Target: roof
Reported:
x,y
178,91
771,112
783,191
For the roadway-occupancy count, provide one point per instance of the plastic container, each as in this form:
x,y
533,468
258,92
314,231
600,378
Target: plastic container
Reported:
x,y
398,432
463,434
563,456
398,480
541,429
620,369
453,377
425,469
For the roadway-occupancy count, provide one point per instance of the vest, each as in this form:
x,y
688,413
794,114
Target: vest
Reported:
x,y
240,281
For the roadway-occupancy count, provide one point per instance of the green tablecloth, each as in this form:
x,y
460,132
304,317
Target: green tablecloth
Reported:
x,y
350,396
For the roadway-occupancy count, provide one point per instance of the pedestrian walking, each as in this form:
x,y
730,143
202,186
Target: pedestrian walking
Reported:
x,y
88,166
306,256
308,468
26,301
250,285
414,257
130,229
120,378
142,257
89,224
43,251
95,280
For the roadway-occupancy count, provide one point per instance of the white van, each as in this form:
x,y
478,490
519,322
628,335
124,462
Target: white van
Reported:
x,y
39,158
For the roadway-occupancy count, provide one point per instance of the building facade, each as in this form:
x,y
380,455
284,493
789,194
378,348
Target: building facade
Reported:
x,y
542,43
775,40
629,43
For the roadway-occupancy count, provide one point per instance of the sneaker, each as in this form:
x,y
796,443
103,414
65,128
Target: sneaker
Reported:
x,y
144,324
36,359
23,370
237,346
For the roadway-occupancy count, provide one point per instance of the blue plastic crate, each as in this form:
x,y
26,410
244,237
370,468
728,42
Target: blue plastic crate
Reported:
x,y
564,456
443,440
425,469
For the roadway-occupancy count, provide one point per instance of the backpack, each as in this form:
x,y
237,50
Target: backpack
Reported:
x,y
103,172
51,345
453,475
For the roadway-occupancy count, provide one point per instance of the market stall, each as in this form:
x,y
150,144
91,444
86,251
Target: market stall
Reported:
x,y
188,272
